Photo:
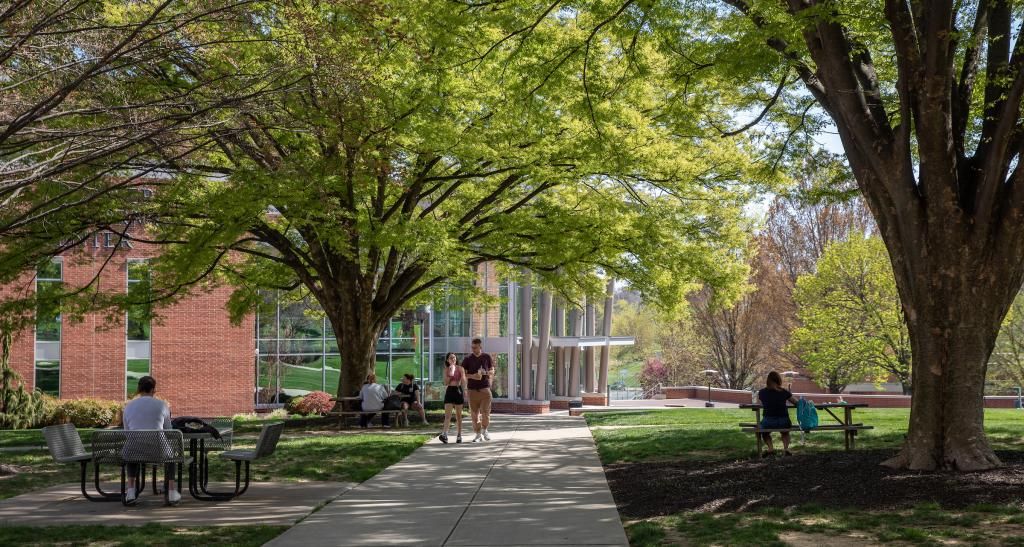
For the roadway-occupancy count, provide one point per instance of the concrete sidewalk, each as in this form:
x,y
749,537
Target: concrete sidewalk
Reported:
x,y
537,482
265,503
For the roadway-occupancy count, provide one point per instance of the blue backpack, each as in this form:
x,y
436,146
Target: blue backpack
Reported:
x,y
806,414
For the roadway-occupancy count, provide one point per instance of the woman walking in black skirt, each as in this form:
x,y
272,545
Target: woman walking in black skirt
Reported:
x,y
454,395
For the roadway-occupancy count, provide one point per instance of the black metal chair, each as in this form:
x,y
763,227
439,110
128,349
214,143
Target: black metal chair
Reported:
x,y
144,447
65,446
265,446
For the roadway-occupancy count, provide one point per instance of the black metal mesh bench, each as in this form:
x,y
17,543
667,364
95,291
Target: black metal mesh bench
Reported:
x,y
65,446
270,434
143,447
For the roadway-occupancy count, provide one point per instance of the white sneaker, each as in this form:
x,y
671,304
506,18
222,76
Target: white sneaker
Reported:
x,y
478,438
130,497
173,497
487,437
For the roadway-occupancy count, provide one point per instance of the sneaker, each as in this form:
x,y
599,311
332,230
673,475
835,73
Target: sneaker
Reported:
x,y
767,453
443,437
487,437
787,453
458,439
130,497
478,438
173,497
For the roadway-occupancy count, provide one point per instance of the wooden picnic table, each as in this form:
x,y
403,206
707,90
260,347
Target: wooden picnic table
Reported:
x,y
844,424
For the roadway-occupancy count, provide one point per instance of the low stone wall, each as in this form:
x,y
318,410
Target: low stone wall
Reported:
x,y
519,406
698,392
874,401
563,403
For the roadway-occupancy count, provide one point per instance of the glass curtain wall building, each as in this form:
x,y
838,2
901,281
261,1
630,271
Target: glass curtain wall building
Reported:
x,y
297,352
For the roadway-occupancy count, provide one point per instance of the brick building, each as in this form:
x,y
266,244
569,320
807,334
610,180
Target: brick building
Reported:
x,y
206,366
203,363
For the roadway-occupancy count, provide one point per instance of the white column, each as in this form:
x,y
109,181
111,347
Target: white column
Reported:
x,y
526,332
588,353
606,330
559,352
540,390
576,321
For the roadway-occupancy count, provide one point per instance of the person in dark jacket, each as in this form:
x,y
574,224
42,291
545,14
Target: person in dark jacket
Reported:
x,y
776,415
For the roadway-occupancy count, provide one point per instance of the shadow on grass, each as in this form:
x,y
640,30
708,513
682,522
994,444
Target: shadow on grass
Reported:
x,y
925,524
149,534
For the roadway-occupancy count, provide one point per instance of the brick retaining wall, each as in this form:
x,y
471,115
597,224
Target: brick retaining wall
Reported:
x,y
875,401
519,406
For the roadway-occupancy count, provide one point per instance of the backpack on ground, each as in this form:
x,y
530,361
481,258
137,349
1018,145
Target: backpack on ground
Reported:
x,y
806,414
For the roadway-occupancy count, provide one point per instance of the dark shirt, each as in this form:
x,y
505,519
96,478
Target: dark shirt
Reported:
x,y
473,364
774,402
408,392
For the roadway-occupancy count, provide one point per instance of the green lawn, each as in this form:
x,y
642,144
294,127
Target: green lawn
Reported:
x,y
926,524
321,458
327,457
714,434
149,534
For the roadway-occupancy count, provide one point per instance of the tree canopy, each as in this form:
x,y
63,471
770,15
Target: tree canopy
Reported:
x,y
420,144
851,326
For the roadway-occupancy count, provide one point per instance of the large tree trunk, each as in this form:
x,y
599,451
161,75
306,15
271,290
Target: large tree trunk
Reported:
x,y
955,290
947,409
951,349
357,345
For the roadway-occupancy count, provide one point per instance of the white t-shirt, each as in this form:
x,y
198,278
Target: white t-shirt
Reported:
x,y
147,412
373,396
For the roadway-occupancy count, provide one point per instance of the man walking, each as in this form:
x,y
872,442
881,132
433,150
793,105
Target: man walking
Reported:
x,y
479,371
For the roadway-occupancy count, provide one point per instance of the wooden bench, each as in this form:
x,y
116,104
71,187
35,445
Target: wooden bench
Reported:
x,y
844,424
343,415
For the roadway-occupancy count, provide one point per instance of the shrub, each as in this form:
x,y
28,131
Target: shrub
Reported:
x,y
19,407
51,412
293,405
315,402
655,372
89,412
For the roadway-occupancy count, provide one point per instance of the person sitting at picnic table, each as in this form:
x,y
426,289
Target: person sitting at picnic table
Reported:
x,y
776,415
147,412
372,397
410,393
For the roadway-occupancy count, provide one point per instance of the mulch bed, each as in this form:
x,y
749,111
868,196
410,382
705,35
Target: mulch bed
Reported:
x,y
834,479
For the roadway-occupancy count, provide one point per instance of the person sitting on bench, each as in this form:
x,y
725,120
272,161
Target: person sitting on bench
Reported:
x,y
410,393
147,412
776,414
372,397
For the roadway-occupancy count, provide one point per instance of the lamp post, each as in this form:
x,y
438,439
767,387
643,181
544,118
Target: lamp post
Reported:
x,y
710,373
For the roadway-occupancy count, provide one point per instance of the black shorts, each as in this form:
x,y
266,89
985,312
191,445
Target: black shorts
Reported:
x,y
454,396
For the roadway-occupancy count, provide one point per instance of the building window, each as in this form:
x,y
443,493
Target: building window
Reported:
x,y
49,278
138,325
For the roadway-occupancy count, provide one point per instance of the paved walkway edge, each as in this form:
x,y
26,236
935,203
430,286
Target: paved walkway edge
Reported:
x,y
538,482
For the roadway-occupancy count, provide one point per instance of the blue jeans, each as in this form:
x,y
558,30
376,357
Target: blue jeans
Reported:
x,y
776,422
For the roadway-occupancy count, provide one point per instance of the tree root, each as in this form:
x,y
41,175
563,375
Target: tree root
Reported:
x,y
971,457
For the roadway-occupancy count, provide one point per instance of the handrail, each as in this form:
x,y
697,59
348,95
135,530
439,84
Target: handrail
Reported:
x,y
650,392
